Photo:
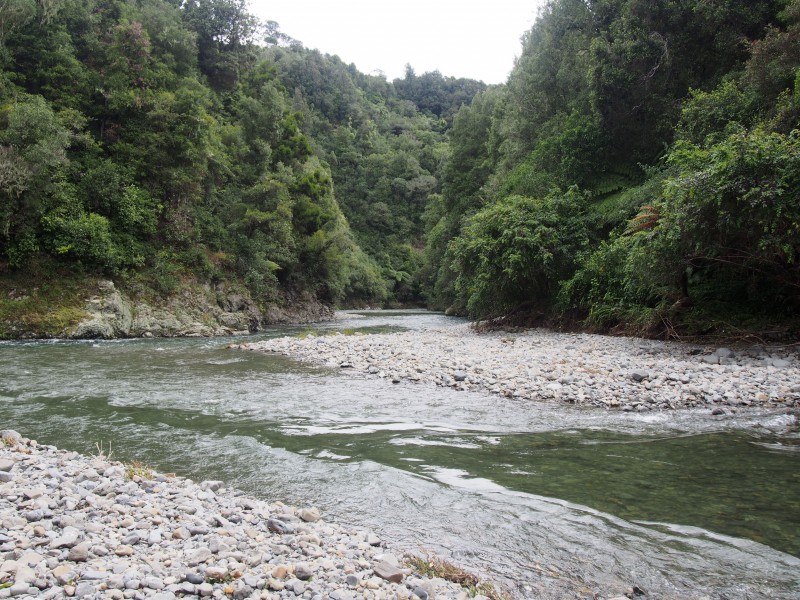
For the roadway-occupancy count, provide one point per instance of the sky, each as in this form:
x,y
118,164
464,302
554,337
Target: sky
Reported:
x,y
478,40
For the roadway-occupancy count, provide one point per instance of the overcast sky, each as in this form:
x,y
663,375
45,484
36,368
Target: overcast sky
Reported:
x,y
478,40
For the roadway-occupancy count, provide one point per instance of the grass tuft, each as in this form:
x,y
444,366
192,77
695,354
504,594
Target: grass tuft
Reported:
x,y
137,468
431,565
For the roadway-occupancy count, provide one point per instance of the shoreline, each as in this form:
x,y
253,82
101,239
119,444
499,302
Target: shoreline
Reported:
x,y
87,526
612,373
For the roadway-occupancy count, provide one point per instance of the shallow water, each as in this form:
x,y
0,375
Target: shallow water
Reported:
x,y
534,494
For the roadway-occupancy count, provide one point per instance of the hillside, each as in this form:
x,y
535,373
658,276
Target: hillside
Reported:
x,y
637,172
176,149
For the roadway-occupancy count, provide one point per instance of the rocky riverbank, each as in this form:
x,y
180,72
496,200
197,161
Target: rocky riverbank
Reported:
x,y
87,527
109,311
615,373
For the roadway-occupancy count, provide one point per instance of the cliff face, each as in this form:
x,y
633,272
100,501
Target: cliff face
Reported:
x,y
198,310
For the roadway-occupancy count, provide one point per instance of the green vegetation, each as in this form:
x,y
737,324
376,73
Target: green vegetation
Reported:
x,y
638,171
53,304
158,142
138,469
431,565
673,130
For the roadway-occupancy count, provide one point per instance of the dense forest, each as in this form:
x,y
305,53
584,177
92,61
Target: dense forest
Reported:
x,y
639,170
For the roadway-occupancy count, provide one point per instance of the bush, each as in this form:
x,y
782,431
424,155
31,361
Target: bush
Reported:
x,y
516,251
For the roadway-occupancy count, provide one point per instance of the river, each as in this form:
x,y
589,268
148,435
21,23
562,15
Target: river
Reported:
x,y
545,499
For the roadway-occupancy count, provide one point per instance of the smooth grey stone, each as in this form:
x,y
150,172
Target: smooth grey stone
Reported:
x,y
194,578
34,515
6,464
279,526
640,375
459,376
186,588
352,580
94,575
303,571
69,538
242,592
19,588
153,583
298,587
79,553
420,593
85,588
199,556
5,476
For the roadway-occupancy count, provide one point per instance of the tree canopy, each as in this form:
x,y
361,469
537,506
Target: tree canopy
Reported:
x,y
638,168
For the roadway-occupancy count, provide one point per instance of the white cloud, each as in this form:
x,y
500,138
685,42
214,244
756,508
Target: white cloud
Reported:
x,y
460,39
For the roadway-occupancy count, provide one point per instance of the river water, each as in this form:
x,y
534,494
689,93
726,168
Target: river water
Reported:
x,y
545,499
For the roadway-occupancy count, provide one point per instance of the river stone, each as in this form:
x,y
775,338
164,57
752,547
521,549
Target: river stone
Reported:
x,y
6,464
199,556
386,571
79,552
420,593
279,571
639,375
195,578
10,437
34,515
5,476
216,573
309,515
18,589
69,538
31,559
64,574
303,571
89,575
278,526
205,589
725,353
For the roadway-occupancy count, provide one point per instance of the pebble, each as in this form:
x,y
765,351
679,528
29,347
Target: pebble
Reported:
x,y
613,373
103,545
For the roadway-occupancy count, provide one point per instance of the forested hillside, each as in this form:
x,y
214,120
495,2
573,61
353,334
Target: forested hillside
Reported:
x,y
639,169
164,143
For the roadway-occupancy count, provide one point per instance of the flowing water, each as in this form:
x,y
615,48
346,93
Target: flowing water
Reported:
x,y
543,498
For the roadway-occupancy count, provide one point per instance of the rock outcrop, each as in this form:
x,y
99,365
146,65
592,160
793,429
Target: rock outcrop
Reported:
x,y
198,311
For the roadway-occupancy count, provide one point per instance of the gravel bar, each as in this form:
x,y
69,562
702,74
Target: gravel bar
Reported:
x,y
615,373
74,526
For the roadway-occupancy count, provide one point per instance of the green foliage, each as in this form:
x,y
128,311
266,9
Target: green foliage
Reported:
x,y
681,135
734,206
515,251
